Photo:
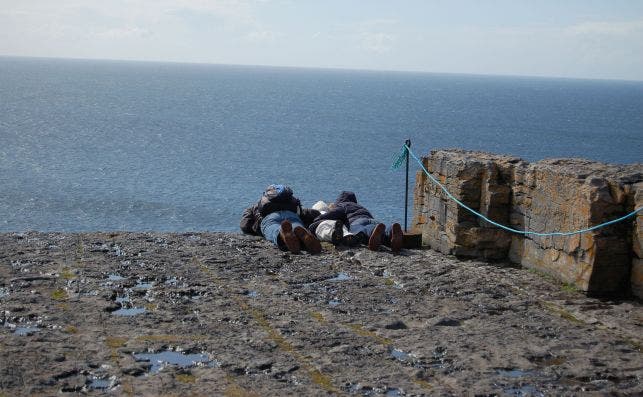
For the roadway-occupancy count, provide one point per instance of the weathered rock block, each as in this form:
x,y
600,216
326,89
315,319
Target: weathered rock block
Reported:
x,y
557,195
637,244
480,181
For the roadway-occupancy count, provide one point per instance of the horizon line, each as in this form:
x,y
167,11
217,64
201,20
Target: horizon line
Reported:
x,y
328,68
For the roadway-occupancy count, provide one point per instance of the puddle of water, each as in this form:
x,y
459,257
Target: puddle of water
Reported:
x,y
115,277
129,312
357,388
524,391
118,251
393,392
400,355
143,285
100,384
3,292
341,276
513,373
158,360
172,281
25,331
439,357
334,302
252,294
122,299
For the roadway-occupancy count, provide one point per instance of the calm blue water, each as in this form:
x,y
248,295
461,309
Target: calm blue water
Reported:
x,y
101,145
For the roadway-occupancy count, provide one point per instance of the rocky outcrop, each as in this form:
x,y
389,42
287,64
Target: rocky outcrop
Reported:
x,y
637,245
547,196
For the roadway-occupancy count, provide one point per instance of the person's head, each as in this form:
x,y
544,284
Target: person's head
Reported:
x,y
321,206
278,193
346,196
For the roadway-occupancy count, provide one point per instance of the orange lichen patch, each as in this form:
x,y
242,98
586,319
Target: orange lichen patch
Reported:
x,y
128,388
185,378
422,383
318,316
67,274
59,294
561,312
115,341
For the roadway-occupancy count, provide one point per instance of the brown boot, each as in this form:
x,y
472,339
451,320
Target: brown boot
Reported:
x,y
338,233
397,237
351,240
310,242
375,240
288,237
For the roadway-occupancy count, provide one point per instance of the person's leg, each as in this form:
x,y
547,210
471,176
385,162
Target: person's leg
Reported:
x,y
271,226
338,232
310,242
288,237
369,232
277,227
376,237
330,231
349,238
361,225
324,231
396,237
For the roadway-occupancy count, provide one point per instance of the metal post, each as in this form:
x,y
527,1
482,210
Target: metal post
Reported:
x,y
406,192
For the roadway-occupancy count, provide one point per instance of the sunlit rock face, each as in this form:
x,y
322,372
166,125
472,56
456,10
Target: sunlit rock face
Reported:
x,y
554,195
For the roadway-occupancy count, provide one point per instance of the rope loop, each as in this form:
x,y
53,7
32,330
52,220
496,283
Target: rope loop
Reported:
x,y
407,151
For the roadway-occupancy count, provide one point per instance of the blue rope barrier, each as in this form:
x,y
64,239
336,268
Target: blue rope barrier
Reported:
x,y
407,151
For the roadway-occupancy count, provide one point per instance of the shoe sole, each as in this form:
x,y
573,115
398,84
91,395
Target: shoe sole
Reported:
x,y
375,240
397,237
288,237
312,245
351,240
338,233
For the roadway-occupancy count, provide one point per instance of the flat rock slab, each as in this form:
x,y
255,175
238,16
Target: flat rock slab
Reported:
x,y
227,314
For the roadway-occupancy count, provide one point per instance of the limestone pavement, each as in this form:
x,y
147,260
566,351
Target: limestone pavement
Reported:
x,y
227,314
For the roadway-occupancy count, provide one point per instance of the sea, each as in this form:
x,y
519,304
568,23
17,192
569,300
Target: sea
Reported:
x,y
91,145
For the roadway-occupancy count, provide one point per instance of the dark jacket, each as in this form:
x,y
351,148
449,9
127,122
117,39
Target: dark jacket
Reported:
x,y
274,198
346,210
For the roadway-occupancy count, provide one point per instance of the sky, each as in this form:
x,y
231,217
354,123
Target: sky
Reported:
x,y
561,38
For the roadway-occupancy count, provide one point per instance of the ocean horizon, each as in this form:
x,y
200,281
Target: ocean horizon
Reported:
x,y
89,145
313,68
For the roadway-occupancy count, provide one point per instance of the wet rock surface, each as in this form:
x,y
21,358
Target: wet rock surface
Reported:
x,y
226,314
